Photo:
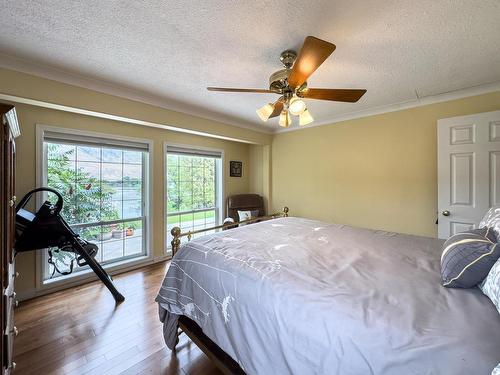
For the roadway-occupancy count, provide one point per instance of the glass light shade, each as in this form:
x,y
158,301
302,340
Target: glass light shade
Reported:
x,y
265,112
305,118
297,106
285,119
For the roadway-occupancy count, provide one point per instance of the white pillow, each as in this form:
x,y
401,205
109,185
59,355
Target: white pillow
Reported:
x,y
247,215
492,220
491,285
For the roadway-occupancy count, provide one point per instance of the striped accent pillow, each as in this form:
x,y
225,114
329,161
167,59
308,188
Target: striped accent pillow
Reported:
x,y
468,257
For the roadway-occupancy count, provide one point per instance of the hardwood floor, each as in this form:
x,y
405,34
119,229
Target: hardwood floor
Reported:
x,y
82,331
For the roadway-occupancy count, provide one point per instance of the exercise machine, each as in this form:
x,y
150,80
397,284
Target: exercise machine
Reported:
x,y
47,229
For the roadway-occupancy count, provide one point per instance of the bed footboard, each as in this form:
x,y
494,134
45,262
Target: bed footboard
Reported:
x,y
177,234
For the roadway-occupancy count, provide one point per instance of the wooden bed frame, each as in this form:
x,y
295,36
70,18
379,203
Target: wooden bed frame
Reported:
x,y
220,358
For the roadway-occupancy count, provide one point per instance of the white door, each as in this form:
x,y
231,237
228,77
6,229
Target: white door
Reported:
x,y
468,170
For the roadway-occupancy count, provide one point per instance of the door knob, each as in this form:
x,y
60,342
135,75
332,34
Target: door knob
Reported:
x,y
446,213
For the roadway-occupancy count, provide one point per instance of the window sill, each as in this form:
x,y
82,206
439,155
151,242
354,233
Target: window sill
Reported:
x,y
86,276
88,273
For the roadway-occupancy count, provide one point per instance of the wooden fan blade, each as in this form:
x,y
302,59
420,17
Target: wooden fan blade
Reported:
x,y
312,54
229,89
336,95
278,107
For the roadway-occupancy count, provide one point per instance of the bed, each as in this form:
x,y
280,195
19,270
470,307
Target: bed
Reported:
x,y
298,296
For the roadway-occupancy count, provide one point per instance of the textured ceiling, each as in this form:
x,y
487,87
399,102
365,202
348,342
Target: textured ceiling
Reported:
x,y
171,50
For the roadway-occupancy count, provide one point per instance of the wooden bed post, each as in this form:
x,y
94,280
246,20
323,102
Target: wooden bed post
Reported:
x,y
176,240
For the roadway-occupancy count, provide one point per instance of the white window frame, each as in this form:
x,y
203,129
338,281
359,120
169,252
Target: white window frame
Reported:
x,y
41,180
219,187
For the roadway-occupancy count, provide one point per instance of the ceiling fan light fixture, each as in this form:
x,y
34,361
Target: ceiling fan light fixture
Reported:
x,y
265,111
305,118
297,106
291,84
285,119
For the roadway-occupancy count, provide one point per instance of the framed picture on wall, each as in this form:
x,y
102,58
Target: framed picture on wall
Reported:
x,y
235,168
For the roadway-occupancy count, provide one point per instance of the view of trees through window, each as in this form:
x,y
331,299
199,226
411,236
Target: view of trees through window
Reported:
x,y
191,192
103,195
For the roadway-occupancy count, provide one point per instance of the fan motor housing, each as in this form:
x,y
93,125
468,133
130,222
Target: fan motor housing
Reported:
x,y
279,80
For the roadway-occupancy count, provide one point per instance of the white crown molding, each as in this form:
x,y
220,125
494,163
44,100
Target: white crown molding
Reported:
x,y
422,101
48,72
107,116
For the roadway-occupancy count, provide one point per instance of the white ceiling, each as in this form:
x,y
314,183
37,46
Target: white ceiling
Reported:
x,y
169,51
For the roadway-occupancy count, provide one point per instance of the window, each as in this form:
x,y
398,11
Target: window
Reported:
x,y
104,186
193,189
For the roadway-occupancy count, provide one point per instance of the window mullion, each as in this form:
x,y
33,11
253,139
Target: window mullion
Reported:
x,y
121,183
192,192
76,185
204,195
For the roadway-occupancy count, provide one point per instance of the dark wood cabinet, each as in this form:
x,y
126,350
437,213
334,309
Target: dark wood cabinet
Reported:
x,y
10,130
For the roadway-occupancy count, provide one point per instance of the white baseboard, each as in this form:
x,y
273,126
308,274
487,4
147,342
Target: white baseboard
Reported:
x,y
34,292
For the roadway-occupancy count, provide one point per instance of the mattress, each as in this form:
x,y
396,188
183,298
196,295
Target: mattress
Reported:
x,y
297,296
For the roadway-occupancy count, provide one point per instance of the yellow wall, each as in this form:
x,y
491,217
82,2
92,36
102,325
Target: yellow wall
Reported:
x,y
376,172
255,169
29,116
260,172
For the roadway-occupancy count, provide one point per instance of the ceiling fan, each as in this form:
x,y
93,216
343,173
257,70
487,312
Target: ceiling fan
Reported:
x,y
291,84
